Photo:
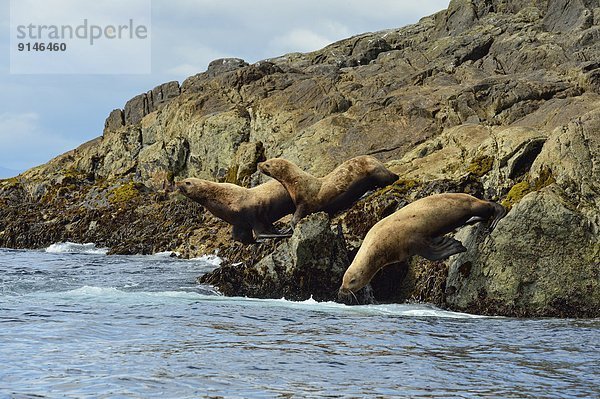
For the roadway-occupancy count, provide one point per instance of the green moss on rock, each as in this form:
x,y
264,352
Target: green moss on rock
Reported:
x,y
123,193
516,194
405,185
521,189
231,175
543,180
481,165
10,183
401,186
73,173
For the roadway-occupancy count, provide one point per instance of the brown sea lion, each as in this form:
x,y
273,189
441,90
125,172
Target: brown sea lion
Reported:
x,y
417,229
332,193
246,209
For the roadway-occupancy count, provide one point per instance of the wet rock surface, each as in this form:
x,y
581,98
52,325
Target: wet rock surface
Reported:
x,y
309,264
499,99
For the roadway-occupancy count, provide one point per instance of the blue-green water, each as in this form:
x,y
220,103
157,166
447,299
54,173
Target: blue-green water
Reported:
x,y
91,325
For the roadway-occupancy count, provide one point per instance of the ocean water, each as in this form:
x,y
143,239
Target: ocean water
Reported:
x,y
75,323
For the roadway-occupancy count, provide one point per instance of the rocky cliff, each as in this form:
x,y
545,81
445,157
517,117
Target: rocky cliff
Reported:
x,y
499,98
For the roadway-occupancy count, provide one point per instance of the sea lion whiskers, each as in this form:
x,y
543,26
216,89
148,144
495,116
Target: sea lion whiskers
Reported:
x,y
344,295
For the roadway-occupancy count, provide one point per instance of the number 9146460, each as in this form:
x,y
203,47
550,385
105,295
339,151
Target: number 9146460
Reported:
x,y
42,46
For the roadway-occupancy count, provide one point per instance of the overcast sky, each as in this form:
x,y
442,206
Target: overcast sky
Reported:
x,y
42,116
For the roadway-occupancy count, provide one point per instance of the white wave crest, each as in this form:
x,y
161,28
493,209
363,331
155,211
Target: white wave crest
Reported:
x,y
213,260
115,295
404,309
74,248
207,294
167,254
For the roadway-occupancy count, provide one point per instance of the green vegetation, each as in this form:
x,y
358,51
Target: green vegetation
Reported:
x,y
10,183
123,193
545,179
400,186
481,165
231,176
521,189
516,194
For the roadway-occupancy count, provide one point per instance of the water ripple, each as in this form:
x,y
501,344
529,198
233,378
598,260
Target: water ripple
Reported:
x,y
97,326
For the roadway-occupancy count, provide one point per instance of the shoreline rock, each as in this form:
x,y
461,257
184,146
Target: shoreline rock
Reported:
x,y
499,99
309,264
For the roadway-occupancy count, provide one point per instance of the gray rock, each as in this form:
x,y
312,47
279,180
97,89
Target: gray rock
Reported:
x,y
542,260
569,15
115,120
309,264
224,65
243,170
163,94
460,15
145,103
136,109
543,257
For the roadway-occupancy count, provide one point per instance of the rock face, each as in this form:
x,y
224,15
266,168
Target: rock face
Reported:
x,y
545,255
498,98
141,105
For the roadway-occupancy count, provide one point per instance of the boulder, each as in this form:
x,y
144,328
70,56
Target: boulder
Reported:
x,y
224,65
243,170
543,257
542,260
309,264
115,120
136,108
163,94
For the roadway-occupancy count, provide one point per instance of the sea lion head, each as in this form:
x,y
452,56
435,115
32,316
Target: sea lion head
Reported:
x,y
354,279
196,189
275,167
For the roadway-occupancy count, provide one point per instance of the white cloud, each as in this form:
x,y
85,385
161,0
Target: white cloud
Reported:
x,y
259,29
298,40
186,69
192,59
26,143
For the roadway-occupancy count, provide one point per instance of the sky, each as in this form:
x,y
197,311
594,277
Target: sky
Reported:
x,y
43,115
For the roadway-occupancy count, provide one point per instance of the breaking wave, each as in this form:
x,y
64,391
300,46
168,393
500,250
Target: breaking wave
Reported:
x,y
74,248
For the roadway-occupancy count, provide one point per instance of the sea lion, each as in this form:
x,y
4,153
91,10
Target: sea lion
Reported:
x,y
332,193
417,229
246,209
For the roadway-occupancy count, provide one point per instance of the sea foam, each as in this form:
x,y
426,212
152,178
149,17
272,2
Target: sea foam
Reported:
x,y
213,260
167,254
75,248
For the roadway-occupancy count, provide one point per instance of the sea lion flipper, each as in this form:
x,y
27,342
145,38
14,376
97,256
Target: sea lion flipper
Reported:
x,y
499,213
266,237
242,234
300,213
264,231
475,219
439,248
288,231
